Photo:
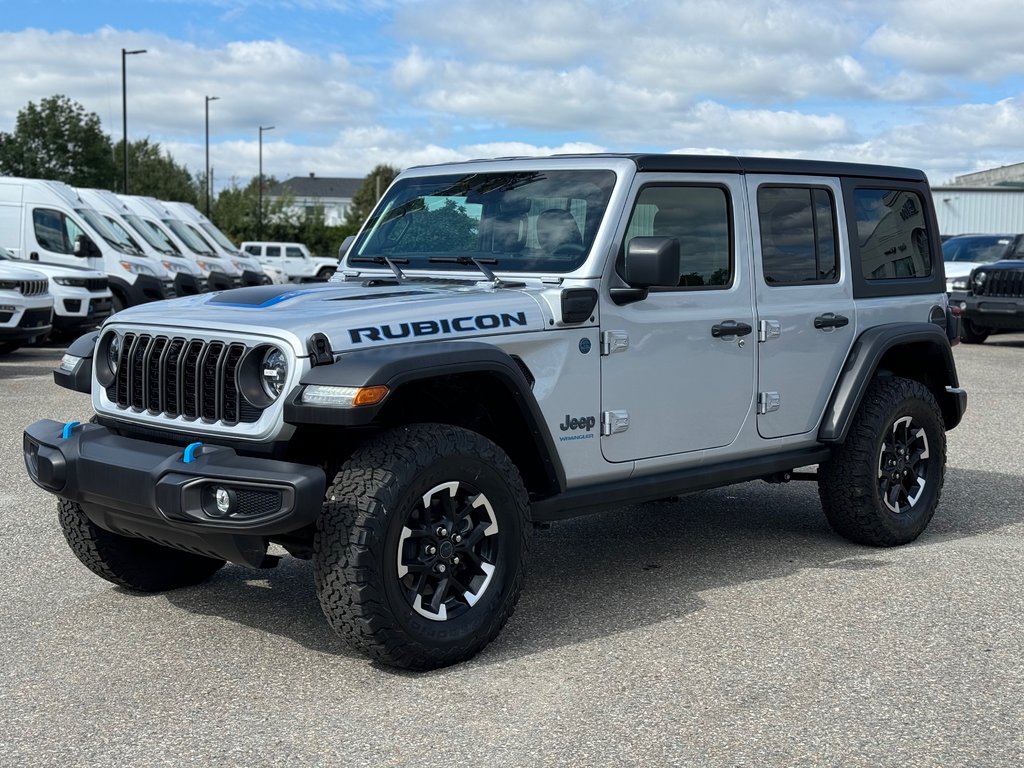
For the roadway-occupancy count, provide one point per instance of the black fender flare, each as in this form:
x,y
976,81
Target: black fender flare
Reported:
x,y
400,364
863,362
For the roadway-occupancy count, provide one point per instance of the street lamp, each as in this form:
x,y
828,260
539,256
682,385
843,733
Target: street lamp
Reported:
x,y
259,217
124,108
208,100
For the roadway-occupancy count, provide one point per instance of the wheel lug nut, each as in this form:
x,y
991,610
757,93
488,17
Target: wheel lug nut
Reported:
x,y
457,539
442,531
441,568
431,549
455,560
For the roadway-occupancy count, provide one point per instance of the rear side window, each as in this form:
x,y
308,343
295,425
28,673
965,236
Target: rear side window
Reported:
x,y
798,235
892,234
274,251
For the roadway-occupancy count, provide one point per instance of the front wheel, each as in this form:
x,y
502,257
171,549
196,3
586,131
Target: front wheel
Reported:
x,y
881,487
972,333
420,550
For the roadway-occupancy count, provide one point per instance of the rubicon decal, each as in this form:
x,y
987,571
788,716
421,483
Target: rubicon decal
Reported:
x,y
444,326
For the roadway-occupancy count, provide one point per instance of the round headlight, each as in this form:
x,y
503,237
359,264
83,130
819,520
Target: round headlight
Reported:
x,y
979,278
113,352
274,372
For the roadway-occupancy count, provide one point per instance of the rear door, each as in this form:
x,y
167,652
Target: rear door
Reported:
x,y
804,293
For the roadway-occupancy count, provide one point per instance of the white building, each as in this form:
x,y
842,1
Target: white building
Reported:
x,y
979,210
334,194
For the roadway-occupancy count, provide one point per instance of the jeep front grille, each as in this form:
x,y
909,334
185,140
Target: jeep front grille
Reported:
x,y
1008,283
175,376
32,287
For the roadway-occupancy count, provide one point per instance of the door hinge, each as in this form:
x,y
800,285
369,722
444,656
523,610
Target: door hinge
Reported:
x,y
768,329
767,402
614,341
613,422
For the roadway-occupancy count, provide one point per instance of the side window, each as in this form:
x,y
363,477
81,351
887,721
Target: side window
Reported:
x,y
50,230
892,234
253,250
292,252
698,217
274,251
798,235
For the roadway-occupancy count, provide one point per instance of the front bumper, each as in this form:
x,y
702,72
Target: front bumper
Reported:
x,y
168,494
997,312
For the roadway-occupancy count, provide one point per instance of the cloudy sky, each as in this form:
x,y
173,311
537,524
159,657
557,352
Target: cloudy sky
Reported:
x,y
348,84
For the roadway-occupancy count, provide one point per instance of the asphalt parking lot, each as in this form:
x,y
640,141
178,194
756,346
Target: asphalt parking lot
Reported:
x,y
728,628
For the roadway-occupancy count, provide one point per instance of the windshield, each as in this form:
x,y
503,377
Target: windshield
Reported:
x,y
152,234
979,249
98,223
190,237
521,221
123,234
218,237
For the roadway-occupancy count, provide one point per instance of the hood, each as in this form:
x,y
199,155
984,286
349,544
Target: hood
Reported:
x,y
352,315
58,270
11,271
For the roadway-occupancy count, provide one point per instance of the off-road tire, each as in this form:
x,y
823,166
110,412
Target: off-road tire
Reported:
x,y
325,273
971,333
854,483
364,534
131,563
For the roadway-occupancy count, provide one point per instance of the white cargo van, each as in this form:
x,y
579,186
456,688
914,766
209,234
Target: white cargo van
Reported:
x,y
294,258
220,273
188,277
48,222
189,214
26,306
81,297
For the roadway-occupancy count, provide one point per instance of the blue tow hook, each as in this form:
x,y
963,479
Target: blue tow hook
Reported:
x,y
192,450
68,429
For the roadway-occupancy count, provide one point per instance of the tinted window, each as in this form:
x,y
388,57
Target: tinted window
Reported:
x,y
274,251
981,248
892,234
293,253
798,235
698,217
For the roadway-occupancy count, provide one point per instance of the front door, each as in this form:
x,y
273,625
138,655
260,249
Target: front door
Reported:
x,y
677,367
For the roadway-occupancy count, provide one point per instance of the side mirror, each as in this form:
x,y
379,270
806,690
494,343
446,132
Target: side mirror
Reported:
x,y
345,245
85,248
652,261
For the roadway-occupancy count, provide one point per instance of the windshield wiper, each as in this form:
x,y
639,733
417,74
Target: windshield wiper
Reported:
x,y
480,264
392,263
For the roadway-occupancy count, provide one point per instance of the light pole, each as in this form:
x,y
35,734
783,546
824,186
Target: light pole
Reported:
x,y
208,185
124,108
259,216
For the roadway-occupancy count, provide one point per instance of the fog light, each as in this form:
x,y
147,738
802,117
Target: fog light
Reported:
x,y
224,499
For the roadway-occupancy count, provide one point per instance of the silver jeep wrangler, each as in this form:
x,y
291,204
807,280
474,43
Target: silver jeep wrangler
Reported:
x,y
510,342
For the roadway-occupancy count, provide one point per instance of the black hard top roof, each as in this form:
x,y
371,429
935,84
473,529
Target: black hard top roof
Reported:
x,y
743,165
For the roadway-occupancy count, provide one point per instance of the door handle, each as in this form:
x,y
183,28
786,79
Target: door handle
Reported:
x,y
730,328
830,320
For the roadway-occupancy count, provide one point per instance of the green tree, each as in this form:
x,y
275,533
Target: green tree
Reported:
x,y
368,194
152,171
235,212
58,140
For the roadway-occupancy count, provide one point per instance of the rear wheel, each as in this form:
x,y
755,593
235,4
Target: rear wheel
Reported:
x,y
972,333
325,273
883,484
420,550
128,562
